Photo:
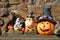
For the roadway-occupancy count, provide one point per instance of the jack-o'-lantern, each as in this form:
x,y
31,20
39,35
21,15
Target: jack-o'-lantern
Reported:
x,y
46,23
45,27
10,27
29,23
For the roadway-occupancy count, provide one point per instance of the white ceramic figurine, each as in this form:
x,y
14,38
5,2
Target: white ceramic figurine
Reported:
x,y
17,24
29,23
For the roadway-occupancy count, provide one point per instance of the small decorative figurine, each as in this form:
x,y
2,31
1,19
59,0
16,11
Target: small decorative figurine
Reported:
x,y
46,23
29,23
17,24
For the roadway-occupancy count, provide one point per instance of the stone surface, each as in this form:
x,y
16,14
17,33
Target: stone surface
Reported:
x,y
4,0
3,4
4,12
13,1
19,36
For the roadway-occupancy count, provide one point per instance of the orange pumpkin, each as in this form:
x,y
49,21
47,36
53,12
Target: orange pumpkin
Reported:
x,y
30,28
23,29
10,27
45,28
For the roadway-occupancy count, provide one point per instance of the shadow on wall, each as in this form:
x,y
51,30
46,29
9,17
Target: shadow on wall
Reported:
x,y
12,22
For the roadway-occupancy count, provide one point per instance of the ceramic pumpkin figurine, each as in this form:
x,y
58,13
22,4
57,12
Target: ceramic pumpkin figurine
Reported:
x,y
45,27
46,23
29,23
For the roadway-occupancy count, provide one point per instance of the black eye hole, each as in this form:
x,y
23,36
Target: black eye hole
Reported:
x,y
42,23
47,23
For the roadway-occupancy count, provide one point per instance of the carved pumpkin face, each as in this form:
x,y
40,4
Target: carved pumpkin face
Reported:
x,y
45,28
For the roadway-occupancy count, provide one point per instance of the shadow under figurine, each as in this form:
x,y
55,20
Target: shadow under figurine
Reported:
x,y
45,22
29,23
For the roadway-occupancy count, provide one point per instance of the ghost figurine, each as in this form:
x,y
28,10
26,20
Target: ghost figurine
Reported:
x,y
29,23
17,24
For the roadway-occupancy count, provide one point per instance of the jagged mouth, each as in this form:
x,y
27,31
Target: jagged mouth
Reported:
x,y
44,30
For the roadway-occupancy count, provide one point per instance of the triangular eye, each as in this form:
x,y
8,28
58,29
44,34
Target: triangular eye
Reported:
x,y
42,23
47,23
